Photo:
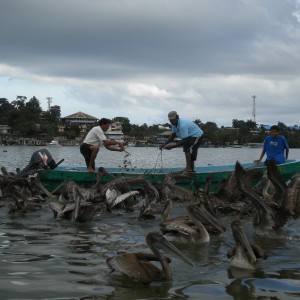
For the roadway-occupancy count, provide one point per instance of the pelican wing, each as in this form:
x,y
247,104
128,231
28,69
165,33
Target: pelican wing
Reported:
x,y
111,195
258,251
179,227
136,265
277,181
292,196
56,208
86,212
123,197
69,207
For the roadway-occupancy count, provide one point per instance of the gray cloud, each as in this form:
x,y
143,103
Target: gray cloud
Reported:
x,y
137,55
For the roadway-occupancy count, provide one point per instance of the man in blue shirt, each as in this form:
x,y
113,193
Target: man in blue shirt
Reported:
x,y
189,133
274,146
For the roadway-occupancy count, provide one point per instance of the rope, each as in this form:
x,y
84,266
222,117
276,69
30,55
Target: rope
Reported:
x,y
161,160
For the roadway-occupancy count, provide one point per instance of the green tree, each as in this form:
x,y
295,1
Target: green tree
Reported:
x,y
210,132
55,113
245,129
5,112
127,127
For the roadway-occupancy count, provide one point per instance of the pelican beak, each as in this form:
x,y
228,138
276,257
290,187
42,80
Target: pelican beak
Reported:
x,y
77,199
241,238
206,217
157,240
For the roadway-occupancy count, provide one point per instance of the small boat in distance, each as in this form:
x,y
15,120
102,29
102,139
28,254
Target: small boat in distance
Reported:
x,y
53,143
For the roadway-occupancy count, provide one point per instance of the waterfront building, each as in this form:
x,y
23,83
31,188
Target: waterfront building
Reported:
x,y
115,132
79,119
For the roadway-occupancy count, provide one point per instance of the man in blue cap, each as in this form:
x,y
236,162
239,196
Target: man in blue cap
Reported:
x,y
189,133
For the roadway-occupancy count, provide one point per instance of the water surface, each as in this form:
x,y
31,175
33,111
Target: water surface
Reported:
x,y
44,258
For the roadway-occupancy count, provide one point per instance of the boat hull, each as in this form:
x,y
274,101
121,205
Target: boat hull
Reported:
x,y
52,178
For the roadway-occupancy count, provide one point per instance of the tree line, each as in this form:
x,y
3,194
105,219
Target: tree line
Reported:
x,y
27,119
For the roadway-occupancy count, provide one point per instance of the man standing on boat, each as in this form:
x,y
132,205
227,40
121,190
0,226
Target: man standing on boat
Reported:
x,y
91,144
189,133
274,146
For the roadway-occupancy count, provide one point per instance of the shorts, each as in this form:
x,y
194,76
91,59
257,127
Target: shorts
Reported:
x,y
191,144
86,152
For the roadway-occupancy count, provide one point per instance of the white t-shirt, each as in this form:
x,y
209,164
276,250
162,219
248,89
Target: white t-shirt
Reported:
x,y
95,136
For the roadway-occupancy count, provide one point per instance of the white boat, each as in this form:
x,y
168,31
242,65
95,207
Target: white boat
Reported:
x,y
53,143
131,144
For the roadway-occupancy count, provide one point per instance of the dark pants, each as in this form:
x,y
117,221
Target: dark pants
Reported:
x,y
86,152
191,144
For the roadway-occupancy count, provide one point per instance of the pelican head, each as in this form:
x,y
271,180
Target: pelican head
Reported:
x,y
243,243
155,240
200,212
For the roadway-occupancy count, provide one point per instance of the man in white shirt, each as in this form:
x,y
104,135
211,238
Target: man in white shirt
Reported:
x,y
91,144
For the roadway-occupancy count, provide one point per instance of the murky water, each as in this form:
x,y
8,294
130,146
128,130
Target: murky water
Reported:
x,y
44,258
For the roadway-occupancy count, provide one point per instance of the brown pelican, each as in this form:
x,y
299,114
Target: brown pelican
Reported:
x,y
122,191
267,219
83,210
244,255
228,191
23,204
75,207
292,198
114,196
284,197
149,207
169,189
223,199
138,266
189,229
280,187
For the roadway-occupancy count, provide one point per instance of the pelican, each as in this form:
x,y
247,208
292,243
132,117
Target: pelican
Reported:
x,y
169,189
223,200
138,266
23,204
292,198
228,191
83,211
267,219
189,229
122,191
76,208
280,187
244,255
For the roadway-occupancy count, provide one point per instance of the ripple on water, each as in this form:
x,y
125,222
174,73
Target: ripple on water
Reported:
x,y
44,258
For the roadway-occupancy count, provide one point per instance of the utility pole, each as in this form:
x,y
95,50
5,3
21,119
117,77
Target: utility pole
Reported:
x,y
49,99
253,109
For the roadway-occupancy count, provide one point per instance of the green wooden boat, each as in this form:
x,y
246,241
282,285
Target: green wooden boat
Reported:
x,y
51,179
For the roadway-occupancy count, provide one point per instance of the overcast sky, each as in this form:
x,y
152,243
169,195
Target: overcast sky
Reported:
x,y
142,58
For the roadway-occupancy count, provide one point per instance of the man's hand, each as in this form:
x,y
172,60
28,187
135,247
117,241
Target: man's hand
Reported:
x,y
168,147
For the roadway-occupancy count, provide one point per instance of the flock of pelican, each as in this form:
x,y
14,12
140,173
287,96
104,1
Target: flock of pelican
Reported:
x,y
270,203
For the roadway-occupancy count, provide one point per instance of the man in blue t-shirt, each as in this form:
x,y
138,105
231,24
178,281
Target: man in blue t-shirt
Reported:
x,y
274,146
189,133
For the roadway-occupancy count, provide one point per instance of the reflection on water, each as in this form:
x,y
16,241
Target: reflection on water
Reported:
x,y
43,258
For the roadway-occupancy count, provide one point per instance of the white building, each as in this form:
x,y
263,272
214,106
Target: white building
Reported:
x,y
115,132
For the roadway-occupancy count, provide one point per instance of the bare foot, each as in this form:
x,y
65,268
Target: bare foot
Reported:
x,y
91,170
